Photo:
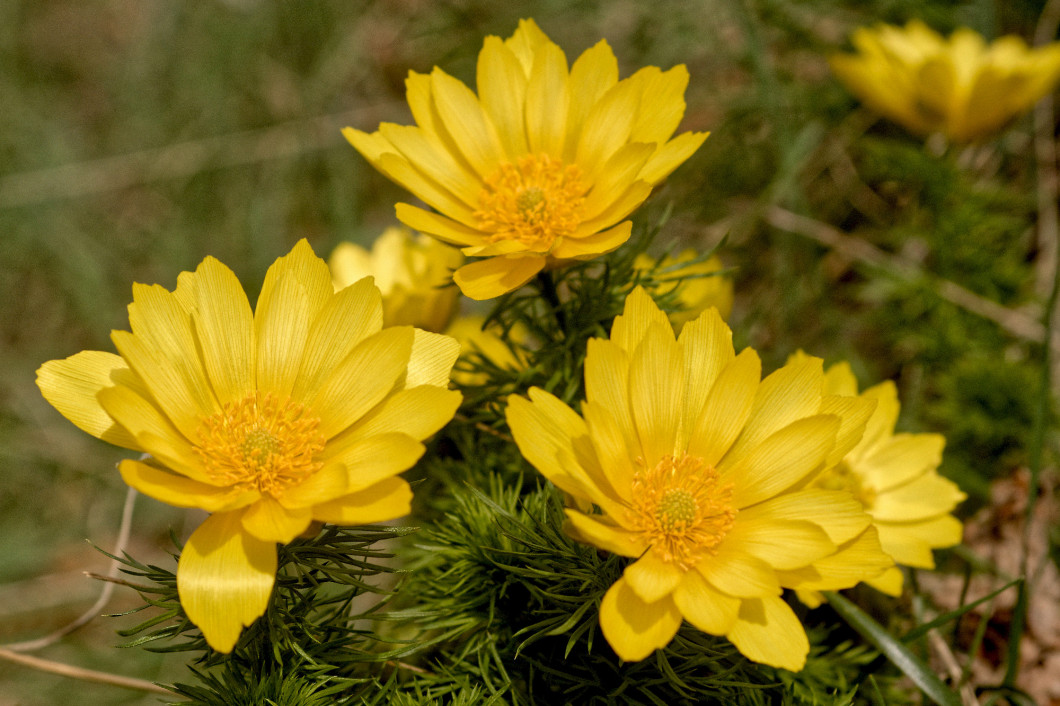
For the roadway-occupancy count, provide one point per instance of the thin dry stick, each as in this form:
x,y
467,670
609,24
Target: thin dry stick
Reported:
x,y
949,661
1015,322
66,670
184,159
104,595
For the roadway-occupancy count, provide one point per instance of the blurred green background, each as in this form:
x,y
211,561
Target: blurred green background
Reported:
x,y
138,137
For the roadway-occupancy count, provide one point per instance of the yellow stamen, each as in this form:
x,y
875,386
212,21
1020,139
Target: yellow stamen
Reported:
x,y
534,202
681,509
261,443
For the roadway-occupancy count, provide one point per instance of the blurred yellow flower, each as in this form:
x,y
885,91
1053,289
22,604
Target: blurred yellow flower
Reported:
x,y
305,409
695,293
695,465
960,87
487,342
411,272
542,165
895,477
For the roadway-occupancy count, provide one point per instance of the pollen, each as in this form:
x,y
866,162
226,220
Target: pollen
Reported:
x,y
260,443
681,509
533,202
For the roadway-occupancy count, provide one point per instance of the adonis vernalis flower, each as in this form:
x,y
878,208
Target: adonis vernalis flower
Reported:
x,y
538,168
303,410
695,292
695,464
960,87
411,272
895,477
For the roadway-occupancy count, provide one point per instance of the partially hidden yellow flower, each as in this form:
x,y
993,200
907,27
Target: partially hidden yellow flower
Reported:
x,y
486,341
302,410
695,464
541,165
411,272
695,292
895,477
960,86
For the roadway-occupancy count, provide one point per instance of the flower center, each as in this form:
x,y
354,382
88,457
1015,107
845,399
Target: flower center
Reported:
x,y
843,477
533,202
262,443
681,509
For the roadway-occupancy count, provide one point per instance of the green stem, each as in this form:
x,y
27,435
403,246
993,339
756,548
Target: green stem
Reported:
x,y
547,287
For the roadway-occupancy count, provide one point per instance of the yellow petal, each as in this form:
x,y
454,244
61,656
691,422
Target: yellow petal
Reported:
x,y
431,359
591,76
671,156
71,385
618,206
783,544
163,352
910,543
618,174
738,573
153,431
928,496
835,511
607,382
462,115
611,447
281,327
651,578
437,225
590,246
607,127
224,578
180,491
767,631
224,324
372,146
433,161
269,521
596,531
704,606
780,461
436,195
853,413
349,317
889,582
491,278
330,482
348,393
726,408
639,313
418,411
859,559
790,393
388,499
374,458
900,459
308,270
839,380
656,384
633,628
546,102
880,426
501,84
662,105
706,344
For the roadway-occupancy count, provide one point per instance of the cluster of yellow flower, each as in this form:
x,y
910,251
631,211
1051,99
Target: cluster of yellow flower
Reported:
x,y
722,486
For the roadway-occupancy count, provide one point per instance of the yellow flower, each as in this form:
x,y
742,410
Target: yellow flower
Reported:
x,y
541,165
960,87
695,465
895,477
411,272
695,293
469,332
303,410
